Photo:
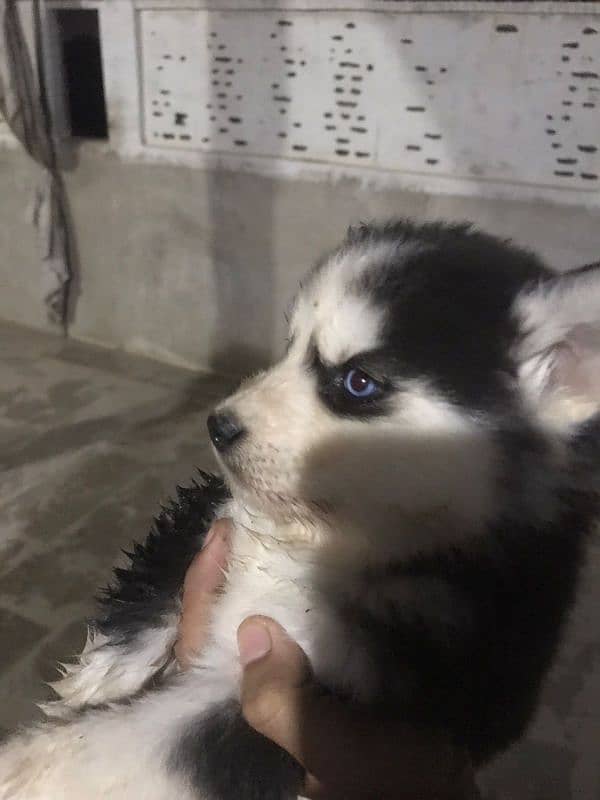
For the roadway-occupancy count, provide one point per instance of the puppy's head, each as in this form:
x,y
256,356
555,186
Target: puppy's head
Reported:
x,y
412,352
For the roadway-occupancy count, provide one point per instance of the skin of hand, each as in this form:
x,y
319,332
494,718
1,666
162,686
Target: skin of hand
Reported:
x,y
203,581
346,752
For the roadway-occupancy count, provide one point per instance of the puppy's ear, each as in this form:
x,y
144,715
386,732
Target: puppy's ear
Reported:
x,y
559,351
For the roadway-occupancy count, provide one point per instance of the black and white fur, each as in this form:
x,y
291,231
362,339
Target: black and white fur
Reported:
x,y
421,544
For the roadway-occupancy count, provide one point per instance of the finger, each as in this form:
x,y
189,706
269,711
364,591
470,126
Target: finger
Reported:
x,y
342,748
204,578
275,671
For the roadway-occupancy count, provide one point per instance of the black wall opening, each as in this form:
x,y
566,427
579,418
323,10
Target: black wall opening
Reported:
x,y
79,35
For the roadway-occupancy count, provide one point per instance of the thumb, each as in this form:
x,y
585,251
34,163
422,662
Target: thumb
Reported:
x,y
276,679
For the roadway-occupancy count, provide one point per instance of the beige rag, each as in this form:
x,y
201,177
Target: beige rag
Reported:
x,y
23,106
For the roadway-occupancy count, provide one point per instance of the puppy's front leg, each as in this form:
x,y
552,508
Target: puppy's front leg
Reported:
x,y
112,668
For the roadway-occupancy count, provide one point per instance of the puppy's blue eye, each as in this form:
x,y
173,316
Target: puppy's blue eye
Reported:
x,y
359,384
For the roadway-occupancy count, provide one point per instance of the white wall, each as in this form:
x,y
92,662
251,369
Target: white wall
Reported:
x,y
189,250
484,99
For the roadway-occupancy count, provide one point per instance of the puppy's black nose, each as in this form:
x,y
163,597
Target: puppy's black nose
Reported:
x,y
223,429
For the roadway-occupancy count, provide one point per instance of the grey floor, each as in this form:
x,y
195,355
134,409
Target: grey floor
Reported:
x,y
90,442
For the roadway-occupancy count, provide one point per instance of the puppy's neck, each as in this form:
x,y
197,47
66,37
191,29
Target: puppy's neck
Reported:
x,y
296,536
331,548
347,548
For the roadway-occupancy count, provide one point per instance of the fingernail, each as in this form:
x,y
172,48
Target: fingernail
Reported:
x,y
254,642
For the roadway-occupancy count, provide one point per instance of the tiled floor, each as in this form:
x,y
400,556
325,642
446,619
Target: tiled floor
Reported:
x,y
90,442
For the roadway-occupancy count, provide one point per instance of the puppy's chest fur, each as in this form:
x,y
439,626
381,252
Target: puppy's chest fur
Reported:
x,y
273,570
347,618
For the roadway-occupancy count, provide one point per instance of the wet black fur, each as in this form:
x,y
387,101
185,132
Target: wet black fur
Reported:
x,y
149,588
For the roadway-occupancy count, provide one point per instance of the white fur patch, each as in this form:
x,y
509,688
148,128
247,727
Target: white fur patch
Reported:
x,y
351,326
333,310
107,672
